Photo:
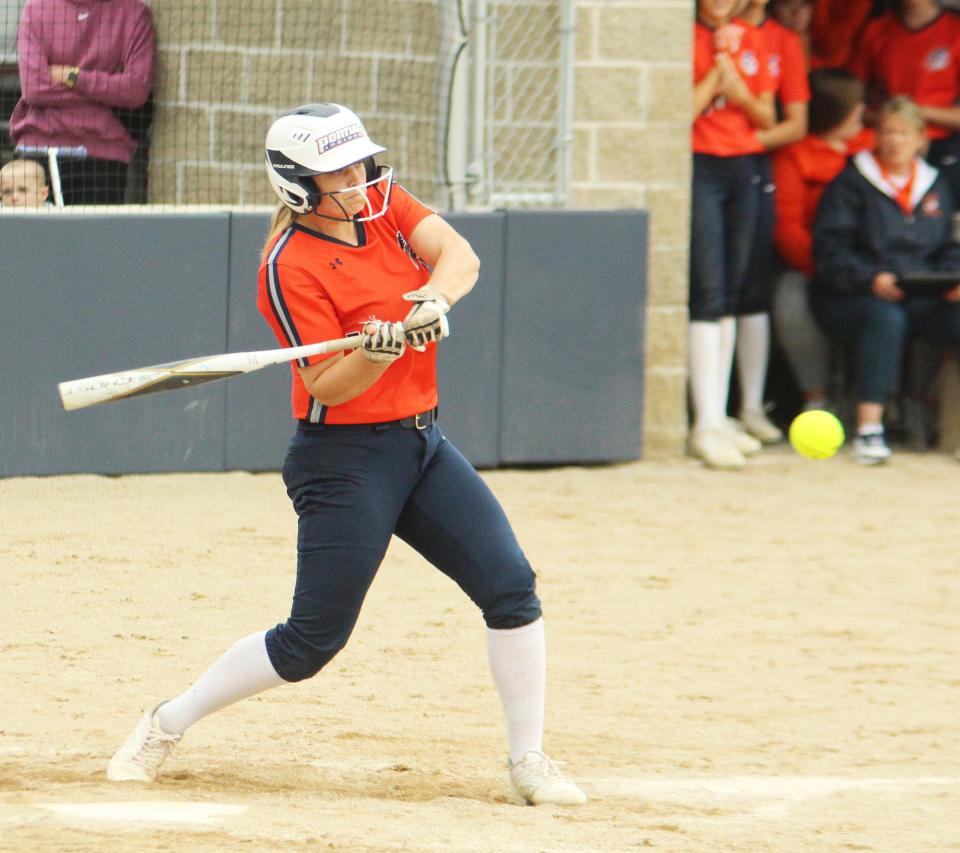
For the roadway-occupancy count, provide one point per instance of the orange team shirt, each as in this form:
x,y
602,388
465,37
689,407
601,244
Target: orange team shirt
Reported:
x,y
924,63
834,30
788,66
801,172
314,288
722,129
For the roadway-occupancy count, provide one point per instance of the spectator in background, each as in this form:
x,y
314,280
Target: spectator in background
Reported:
x,y
78,64
835,28
788,73
23,183
733,98
801,171
796,15
9,78
888,213
914,50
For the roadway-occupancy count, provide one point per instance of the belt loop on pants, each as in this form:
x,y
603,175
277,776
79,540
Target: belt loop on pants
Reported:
x,y
421,420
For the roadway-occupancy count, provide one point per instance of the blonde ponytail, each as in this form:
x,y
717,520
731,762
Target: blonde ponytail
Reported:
x,y
283,218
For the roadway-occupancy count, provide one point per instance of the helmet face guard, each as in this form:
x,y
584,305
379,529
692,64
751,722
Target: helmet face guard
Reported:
x,y
379,183
316,139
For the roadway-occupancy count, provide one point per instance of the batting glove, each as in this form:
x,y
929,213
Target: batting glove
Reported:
x,y
427,320
385,343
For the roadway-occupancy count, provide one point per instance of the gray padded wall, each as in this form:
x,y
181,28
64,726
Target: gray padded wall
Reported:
x,y
544,364
87,295
573,336
471,361
259,420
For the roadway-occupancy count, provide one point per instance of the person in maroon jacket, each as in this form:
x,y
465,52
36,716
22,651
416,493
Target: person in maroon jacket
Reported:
x,y
80,62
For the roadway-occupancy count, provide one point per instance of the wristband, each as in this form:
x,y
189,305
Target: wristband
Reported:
x,y
72,76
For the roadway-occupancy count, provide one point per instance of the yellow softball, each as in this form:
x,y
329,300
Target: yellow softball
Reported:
x,y
816,434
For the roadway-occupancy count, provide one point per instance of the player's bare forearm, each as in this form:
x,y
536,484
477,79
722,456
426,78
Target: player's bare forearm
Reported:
x,y
948,117
792,128
338,379
456,272
705,91
456,266
760,110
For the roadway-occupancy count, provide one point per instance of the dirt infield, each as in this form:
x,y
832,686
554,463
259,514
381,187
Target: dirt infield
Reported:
x,y
761,661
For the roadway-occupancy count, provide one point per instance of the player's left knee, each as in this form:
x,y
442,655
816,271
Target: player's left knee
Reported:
x,y
514,606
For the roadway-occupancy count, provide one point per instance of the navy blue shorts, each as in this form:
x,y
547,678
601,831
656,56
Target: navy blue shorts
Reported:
x,y
353,487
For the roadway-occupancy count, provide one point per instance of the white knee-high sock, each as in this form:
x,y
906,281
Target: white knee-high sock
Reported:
x,y
728,343
244,670
704,352
753,354
518,661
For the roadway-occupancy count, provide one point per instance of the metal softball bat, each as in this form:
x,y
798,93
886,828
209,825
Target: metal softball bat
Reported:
x,y
93,390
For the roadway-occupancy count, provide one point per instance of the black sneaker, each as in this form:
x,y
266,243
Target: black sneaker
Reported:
x,y
871,448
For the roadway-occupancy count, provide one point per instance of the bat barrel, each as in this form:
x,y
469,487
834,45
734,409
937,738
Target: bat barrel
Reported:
x,y
80,393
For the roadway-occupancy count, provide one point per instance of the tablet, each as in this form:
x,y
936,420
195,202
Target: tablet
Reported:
x,y
928,282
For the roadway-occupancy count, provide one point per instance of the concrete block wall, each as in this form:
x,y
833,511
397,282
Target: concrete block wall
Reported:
x,y
226,68
633,85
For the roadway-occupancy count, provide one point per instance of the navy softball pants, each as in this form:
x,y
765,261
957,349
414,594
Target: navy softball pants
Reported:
x,y
353,487
880,331
726,204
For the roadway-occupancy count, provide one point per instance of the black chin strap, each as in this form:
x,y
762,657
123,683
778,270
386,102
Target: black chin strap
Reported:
x,y
346,216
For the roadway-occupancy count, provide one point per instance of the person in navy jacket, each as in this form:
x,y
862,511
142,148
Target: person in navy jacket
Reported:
x,y
886,214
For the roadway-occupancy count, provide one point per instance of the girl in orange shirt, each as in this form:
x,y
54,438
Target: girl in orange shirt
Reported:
x,y
789,75
914,50
733,98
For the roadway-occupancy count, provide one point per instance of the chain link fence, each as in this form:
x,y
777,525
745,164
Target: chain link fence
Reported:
x,y
468,95
523,55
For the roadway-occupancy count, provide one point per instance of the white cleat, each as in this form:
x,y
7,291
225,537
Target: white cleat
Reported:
x,y
716,449
741,439
756,422
141,755
538,780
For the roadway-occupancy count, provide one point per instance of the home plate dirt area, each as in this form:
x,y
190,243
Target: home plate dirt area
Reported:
x,y
755,661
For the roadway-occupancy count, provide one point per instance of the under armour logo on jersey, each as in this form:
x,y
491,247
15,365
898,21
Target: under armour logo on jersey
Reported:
x,y
336,262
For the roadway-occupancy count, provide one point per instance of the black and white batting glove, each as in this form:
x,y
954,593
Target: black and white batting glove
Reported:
x,y
427,321
386,342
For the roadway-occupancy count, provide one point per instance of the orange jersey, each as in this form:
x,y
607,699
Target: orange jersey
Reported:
x,y
834,30
723,129
801,172
787,64
314,288
924,63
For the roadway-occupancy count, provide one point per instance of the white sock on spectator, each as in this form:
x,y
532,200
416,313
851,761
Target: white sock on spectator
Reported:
x,y
753,355
703,347
728,343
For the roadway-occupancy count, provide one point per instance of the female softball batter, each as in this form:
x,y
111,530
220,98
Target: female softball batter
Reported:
x,y
350,252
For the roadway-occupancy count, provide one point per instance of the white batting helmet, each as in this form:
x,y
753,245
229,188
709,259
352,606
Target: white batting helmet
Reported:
x,y
314,139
